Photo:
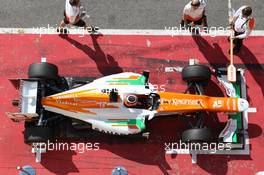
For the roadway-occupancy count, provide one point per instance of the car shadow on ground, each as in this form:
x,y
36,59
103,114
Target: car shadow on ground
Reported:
x,y
135,148
105,63
149,151
145,151
59,162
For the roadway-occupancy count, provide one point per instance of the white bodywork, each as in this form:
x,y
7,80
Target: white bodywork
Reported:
x,y
29,96
119,120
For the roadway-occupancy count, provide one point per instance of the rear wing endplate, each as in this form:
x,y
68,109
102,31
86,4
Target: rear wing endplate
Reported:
x,y
18,117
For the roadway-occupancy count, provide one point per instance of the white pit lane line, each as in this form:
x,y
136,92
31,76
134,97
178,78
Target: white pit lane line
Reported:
x,y
160,32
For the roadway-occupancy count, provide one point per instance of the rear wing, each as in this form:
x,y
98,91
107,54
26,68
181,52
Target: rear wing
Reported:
x,y
27,101
18,117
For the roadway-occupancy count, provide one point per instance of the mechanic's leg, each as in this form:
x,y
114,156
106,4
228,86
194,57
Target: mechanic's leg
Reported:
x,y
204,24
182,25
90,29
195,27
204,21
61,29
186,24
62,24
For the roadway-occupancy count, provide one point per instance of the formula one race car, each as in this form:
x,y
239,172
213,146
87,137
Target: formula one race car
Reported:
x,y
118,104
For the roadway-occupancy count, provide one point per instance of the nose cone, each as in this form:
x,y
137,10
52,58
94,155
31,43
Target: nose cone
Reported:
x,y
242,105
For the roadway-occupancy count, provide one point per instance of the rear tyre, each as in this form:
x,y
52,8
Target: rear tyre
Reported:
x,y
38,134
196,73
43,71
196,135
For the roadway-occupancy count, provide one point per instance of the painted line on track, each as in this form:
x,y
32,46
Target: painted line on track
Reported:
x,y
164,32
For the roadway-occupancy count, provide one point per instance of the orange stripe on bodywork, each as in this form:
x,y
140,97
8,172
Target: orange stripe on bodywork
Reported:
x,y
119,83
68,107
132,77
78,101
175,102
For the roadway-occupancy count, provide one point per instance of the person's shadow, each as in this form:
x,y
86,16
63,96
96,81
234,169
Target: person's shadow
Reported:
x,y
213,53
216,58
254,67
105,63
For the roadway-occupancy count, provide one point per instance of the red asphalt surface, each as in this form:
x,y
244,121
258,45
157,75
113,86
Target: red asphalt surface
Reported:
x,y
98,56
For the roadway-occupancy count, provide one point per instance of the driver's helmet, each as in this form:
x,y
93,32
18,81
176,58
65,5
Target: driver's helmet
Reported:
x,y
131,100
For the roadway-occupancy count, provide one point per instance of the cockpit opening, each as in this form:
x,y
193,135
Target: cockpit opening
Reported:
x,y
150,102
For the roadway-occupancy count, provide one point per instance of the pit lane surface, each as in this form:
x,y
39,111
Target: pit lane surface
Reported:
x,y
97,56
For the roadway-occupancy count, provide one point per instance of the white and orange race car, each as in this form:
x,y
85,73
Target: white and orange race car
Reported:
x,y
118,104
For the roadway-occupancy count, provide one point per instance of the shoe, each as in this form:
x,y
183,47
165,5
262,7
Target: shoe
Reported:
x,y
94,30
62,30
83,13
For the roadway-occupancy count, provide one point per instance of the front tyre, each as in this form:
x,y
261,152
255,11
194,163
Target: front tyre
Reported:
x,y
196,73
43,71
